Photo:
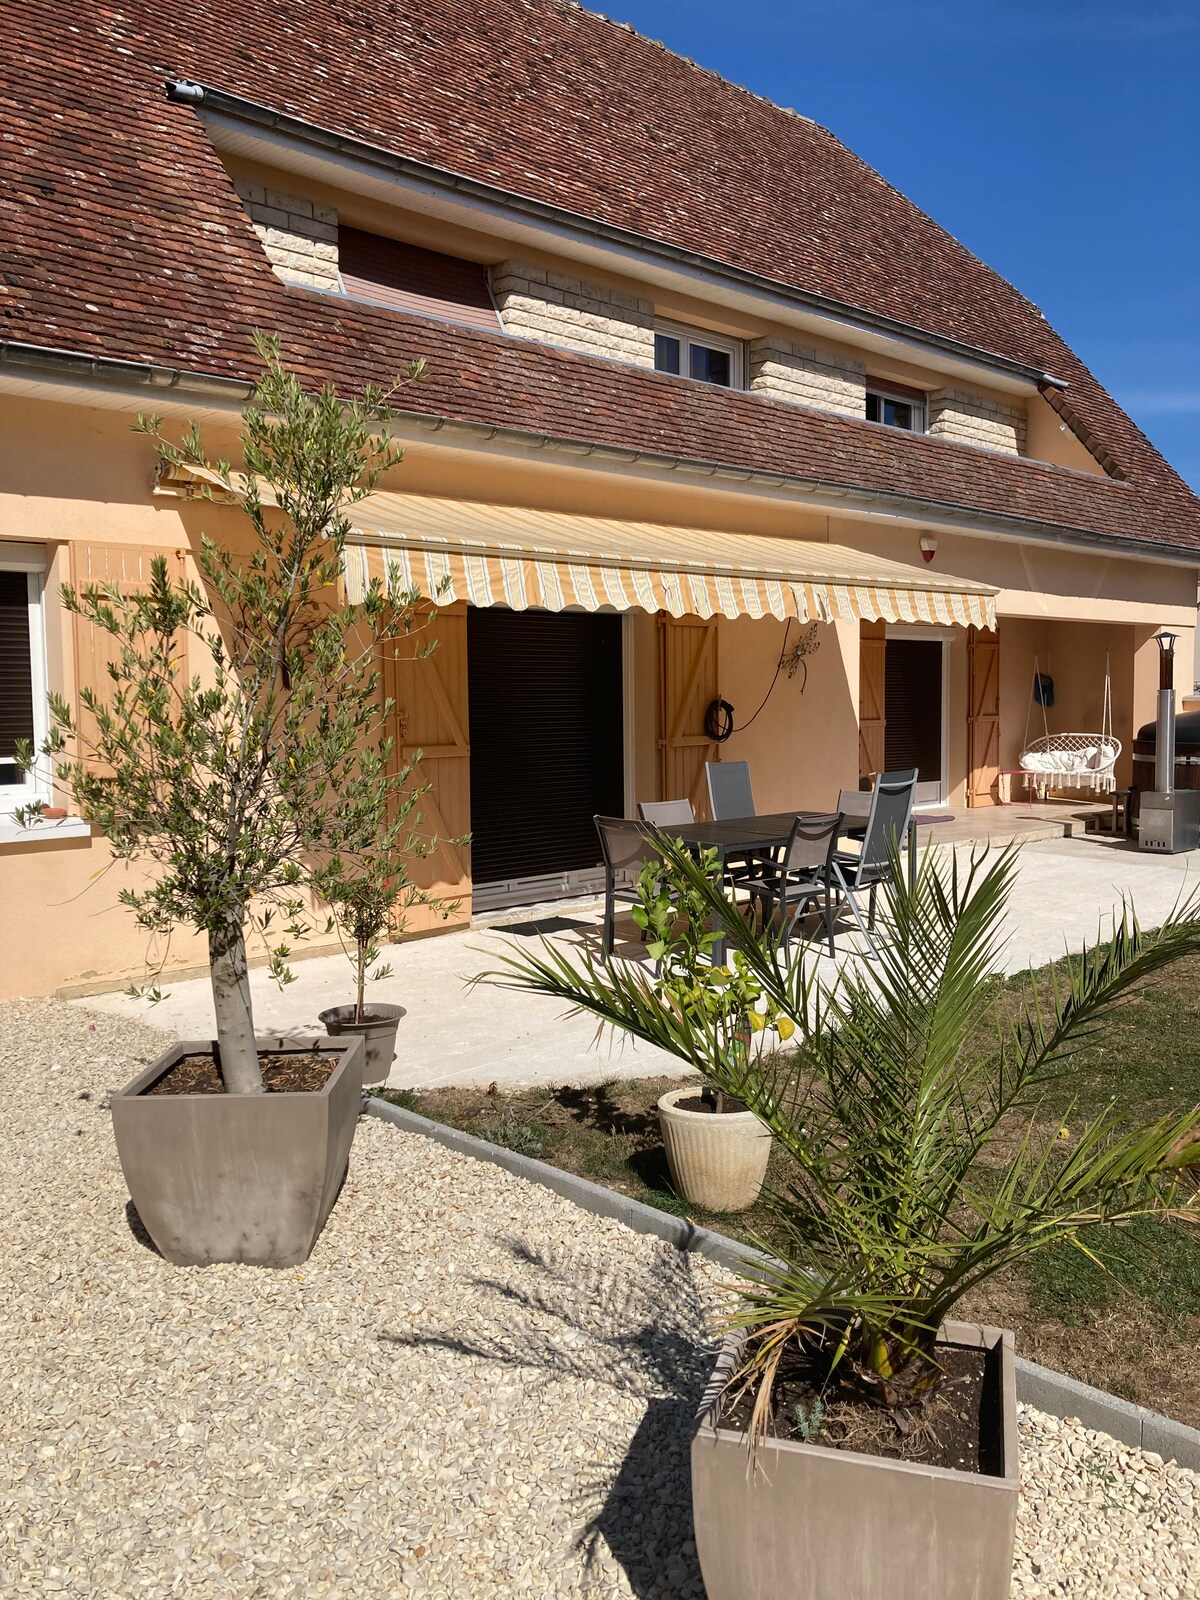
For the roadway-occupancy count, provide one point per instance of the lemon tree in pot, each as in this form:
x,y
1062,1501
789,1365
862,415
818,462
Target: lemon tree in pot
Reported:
x,y
717,1148
240,738
915,1164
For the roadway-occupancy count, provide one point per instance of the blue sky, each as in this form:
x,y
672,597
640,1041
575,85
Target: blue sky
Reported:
x,y
1058,139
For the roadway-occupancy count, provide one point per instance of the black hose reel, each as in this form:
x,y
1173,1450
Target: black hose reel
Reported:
x,y
718,721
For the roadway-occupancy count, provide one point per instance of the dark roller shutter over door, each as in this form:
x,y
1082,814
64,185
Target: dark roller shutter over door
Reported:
x,y
547,747
912,692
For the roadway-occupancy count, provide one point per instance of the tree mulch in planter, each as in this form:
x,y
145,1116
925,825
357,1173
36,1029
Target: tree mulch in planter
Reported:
x,y
948,1430
305,1072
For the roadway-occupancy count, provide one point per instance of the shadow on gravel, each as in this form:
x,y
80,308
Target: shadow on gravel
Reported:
x,y
138,1229
651,1339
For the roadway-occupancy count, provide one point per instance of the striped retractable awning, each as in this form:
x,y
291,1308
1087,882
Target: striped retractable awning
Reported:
x,y
490,554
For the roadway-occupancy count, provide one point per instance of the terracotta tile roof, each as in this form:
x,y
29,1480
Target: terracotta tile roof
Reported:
x,y
120,233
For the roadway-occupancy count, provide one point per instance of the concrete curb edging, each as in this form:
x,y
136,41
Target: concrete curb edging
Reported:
x,y
1038,1386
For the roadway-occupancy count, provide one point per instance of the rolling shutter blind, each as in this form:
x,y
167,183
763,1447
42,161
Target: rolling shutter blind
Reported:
x,y
412,279
547,750
16,666
913,707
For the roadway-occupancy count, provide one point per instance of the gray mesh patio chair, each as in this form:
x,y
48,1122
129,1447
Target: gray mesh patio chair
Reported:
x,y
730,795
625,849
887,827
729,791
801,876
666,813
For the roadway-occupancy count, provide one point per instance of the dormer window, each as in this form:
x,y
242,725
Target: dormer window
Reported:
x,y
896,406
697,353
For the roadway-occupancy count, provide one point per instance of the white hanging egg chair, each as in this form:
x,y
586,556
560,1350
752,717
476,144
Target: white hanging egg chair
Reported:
x,y
1079,761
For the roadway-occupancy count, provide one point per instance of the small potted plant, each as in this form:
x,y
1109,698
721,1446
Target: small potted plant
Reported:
x,y
370,895
855,1439
717,1149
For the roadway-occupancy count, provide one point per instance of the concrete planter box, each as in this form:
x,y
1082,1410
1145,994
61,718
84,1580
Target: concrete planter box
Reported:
x,y
377,1031
250,1178
810,1523
716,1161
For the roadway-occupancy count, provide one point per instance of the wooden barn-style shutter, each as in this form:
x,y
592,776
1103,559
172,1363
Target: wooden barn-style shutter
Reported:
x,y
127,567
872,721
983,717
430,715
688,680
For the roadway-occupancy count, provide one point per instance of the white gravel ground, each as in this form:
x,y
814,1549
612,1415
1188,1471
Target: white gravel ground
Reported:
x,y
471,1390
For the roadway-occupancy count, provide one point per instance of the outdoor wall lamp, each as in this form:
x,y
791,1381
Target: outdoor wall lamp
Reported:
x,y
928,548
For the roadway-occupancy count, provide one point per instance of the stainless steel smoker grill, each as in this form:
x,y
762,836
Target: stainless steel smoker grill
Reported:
x,y
1169,816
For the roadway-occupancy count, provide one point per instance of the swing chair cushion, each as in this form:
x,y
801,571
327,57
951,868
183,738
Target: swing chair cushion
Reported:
x,y
1078,759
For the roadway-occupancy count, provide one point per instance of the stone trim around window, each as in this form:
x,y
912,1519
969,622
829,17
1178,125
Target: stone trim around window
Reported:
x,y
971,419
553,308
787,370
299,236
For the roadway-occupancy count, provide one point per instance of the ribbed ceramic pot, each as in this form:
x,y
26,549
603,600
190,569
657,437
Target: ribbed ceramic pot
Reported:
x,y
718,1160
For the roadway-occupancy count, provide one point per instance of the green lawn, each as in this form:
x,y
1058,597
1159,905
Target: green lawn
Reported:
x,y
1131,1325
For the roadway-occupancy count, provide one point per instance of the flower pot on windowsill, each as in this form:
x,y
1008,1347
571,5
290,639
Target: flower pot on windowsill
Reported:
x,y
249,1178
377,1029
807,1522
718,1159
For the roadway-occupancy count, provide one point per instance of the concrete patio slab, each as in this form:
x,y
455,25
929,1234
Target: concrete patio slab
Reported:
x,y
452,1034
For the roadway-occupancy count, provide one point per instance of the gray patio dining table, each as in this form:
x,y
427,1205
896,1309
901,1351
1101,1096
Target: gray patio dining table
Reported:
x,y
739,836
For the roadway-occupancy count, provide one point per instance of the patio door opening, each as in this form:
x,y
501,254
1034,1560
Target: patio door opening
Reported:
x,y
546,692
914,693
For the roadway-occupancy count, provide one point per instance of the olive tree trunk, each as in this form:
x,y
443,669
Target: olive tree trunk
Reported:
x,y
231,1005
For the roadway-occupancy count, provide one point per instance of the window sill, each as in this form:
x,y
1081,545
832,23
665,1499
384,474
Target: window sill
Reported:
x,y
62,828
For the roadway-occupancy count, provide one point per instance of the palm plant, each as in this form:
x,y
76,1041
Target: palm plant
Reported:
x,y
897,1201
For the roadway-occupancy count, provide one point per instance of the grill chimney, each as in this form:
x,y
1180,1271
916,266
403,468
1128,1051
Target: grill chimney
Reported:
x,y
1164,749
1169,818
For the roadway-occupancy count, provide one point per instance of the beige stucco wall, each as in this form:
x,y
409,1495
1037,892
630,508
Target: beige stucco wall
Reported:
x,y
1047,438
803,745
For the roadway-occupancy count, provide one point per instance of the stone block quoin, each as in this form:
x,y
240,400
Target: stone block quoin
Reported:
x,y
299,236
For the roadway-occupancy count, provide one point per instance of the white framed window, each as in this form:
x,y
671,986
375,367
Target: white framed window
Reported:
x,y
23,691
697,353
895,406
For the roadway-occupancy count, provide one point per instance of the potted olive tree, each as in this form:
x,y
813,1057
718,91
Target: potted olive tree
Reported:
x,y
882,1433
717,1149
370,895
242,735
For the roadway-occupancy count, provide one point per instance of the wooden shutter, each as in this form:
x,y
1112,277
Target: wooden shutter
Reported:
x,y
430,715
872,652
689,684
411,279
983,717
127,567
